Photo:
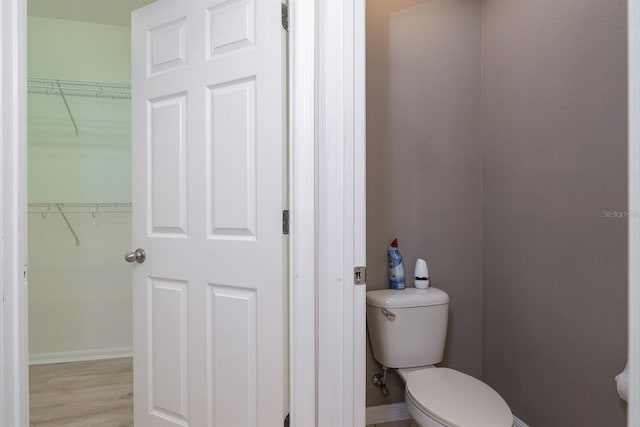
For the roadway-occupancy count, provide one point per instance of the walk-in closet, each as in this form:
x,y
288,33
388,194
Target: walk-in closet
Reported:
x,y
79,215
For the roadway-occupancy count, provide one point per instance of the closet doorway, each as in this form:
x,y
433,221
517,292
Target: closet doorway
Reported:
x,y
79,220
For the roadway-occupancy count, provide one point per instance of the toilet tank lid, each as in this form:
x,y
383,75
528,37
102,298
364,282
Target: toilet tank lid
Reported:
x,y
407,298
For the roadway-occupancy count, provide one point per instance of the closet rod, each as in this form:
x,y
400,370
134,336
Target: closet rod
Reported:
x,y
45,208
81,205
92,208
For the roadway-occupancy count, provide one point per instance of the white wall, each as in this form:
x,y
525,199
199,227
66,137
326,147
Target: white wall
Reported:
x,y
79,296
96,164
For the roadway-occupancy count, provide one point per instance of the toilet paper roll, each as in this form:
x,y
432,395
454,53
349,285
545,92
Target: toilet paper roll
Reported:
x,y
622,383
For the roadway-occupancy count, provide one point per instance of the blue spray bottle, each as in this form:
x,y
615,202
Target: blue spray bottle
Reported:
x,y
396,270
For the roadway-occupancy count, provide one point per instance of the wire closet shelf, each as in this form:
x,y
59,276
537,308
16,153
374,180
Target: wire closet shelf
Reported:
x,y
78,88
93,208
44,209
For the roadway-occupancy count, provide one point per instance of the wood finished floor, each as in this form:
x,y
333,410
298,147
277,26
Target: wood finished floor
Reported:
x,y
82,394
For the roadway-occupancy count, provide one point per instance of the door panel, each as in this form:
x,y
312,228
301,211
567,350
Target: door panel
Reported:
x,y
231,27
233,363
209,163
167,151
168,330
231,145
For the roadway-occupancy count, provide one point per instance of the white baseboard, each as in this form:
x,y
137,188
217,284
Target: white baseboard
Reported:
x,y
387,413
517,422
79,356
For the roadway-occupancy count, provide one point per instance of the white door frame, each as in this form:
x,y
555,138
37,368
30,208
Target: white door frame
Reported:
x,y
341,238
328,222
14,398
302,244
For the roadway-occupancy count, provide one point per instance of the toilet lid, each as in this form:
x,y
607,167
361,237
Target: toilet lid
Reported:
x,y
457,400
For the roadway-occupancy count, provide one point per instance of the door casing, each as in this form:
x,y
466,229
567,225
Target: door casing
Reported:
x,y
14,393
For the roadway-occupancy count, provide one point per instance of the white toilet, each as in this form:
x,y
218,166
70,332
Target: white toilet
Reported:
x,y
408,330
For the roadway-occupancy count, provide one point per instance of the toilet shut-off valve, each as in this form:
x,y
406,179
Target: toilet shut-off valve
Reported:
x,y
380,380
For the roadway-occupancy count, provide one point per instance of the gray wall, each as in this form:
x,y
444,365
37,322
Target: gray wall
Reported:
x,y
512,223
554,158
423,159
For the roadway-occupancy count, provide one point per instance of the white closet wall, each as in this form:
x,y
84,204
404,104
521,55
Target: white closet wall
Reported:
x,y
79,296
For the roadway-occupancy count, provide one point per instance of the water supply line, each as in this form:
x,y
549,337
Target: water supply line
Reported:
x,y
380,380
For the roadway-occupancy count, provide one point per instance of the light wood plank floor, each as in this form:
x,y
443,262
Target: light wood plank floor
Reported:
x,y
82,394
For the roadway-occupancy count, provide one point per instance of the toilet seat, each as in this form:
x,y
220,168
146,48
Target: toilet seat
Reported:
x,y
455,399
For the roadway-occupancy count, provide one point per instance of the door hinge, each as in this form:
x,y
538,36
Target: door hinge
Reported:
x,y
285,16
285,222
360,275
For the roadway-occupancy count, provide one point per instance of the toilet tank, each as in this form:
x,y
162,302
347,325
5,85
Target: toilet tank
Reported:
x,y
407,327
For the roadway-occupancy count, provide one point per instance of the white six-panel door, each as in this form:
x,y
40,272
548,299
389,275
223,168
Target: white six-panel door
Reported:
x,y
209,165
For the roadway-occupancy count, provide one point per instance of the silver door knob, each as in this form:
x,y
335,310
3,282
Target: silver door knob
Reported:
x,y
138,256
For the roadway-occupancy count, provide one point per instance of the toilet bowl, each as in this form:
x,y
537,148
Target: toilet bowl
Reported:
x,y
442,397
408,332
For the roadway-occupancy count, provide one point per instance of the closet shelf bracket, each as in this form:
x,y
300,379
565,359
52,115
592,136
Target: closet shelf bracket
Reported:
x,y
66,88
44,209
75,236
73,120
